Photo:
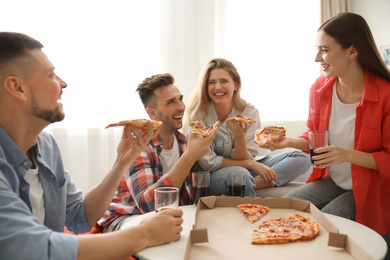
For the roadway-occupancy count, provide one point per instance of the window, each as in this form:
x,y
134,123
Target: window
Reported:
x,y
104,49
272,44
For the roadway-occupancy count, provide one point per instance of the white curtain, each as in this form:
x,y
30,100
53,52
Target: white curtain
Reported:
x,y
330,8
104,49
88,155
191,35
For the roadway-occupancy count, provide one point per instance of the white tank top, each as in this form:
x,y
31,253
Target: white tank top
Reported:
x,y
342,134
36,194
170,157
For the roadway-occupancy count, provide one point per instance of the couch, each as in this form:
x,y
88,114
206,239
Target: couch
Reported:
x,y
293,129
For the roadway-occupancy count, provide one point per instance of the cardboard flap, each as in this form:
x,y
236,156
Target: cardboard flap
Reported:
x,y
337,240
300,205
207,202
199,236
325,222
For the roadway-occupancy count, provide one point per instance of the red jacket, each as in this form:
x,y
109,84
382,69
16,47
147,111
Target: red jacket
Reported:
x,y
371,188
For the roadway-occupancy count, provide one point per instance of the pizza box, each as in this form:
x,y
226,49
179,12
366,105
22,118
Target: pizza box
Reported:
x,y
222,232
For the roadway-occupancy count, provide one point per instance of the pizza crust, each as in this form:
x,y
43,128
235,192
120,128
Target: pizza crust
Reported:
x,y
242,119
138,124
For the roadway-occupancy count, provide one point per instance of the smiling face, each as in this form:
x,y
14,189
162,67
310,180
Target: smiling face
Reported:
x,y
169,107
333,58
221,88
45,89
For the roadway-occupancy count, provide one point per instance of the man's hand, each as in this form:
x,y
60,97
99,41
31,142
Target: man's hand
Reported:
x,y
154,229
198,146
133,142
97,200
162,227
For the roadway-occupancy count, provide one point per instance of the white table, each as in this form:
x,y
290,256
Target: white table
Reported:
x,y
370,241
367,238
171,251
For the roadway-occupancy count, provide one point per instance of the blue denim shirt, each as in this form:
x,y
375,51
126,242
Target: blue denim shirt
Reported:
x,y
223,144
21,236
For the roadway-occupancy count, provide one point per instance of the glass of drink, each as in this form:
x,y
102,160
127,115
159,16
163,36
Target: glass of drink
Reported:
x,y
200,185
236,184
317,139
166,198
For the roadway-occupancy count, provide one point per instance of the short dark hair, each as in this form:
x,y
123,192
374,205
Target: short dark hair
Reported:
x,y
149,85
14,47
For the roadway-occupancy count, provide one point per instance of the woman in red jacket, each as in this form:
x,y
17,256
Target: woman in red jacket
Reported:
x,y
352,101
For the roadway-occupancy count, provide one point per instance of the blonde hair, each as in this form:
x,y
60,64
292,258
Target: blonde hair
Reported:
x,y
198,102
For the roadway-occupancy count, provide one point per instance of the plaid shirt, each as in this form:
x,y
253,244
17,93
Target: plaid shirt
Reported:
x,y
135,194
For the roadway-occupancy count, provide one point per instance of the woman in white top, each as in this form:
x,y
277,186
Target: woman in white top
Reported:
x,y
217,97
351,101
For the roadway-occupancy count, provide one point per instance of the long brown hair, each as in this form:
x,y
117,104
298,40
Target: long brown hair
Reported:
x,y
351,29
198,102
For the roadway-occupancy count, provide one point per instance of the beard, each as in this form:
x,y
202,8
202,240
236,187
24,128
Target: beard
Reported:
x,y
168,122
49,115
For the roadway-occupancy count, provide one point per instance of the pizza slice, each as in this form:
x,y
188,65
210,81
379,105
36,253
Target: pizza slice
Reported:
x,y
285,230
138,124
253,212
242,119
199,129
268,134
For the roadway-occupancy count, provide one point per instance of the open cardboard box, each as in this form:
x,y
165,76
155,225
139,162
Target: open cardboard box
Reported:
x,y
222,232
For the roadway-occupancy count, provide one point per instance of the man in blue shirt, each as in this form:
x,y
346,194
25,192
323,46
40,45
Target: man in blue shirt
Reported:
x,y
37,195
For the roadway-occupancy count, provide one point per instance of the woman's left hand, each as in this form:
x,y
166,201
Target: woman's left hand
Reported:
x,y
330,155
238,129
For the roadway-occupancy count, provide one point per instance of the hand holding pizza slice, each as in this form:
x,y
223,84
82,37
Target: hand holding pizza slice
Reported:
x,y
269,134
199,129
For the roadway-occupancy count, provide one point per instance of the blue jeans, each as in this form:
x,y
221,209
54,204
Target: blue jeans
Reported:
x,y
287,165
219,181
328,197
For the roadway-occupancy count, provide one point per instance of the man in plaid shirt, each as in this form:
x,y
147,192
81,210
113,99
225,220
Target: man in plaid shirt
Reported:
x,y
165,162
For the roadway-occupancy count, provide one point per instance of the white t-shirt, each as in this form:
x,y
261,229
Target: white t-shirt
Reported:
x,y
342,134
170,157
36,194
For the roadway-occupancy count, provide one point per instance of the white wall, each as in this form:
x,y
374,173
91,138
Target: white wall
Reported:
x,y
377,15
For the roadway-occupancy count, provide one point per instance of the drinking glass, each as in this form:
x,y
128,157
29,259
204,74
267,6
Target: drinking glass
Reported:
x,y
200,185
236,184
317,139
166,198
